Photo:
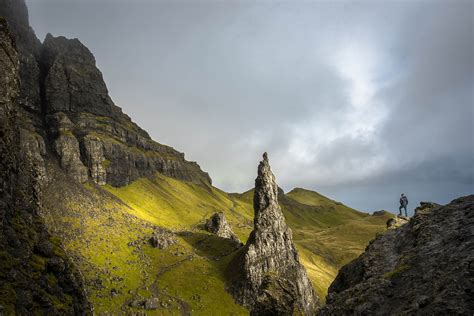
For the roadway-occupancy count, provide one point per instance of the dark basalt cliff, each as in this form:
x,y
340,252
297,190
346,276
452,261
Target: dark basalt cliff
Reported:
x,y
267,275
424,267
36,276
55,110
69,117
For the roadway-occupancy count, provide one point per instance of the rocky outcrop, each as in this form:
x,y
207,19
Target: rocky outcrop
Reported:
x,y
36,276
426,206
267,276
28,102
67,148
396,222
423,267
162,238
94,156
72,82
219,226
28,47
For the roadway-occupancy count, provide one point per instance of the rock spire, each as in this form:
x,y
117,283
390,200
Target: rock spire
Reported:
x,y
269,279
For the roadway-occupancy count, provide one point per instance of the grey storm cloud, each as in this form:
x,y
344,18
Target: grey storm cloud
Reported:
x,y
357,100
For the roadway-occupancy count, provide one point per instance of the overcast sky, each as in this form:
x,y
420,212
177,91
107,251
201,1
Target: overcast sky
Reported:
x,y
360,101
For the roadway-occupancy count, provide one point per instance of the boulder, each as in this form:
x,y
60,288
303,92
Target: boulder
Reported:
x,y
219,226
151,303
162,238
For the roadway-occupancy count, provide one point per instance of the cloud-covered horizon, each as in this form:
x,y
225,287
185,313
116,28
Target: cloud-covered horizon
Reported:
x,y
358,100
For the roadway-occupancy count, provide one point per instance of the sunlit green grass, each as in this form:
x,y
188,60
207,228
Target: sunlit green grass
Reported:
x,y
97,224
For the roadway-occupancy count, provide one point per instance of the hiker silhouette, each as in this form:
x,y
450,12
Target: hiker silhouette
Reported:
x,y
403,204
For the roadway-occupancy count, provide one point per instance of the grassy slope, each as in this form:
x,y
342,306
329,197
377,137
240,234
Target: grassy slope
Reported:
x,y
97,223
327,233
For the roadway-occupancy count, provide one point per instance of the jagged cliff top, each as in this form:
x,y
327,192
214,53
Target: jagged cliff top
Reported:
x,y
71,118
424,266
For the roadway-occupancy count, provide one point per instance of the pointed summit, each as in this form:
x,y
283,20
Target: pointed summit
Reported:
x,y
266,190
270,279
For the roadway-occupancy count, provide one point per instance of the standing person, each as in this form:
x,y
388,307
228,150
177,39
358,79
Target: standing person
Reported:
x,y
403,204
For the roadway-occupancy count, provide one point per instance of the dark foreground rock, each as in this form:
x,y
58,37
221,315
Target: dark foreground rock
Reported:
x,y
267,276
36,276
424,267
219,226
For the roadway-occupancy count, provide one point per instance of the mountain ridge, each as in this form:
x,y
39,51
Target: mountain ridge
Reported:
x,y
69,115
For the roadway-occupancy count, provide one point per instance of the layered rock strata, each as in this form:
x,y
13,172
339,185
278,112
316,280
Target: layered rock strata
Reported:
x,y
68,115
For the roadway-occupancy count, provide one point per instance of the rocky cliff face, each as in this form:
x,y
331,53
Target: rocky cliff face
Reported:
x,y
423,267
268,277
92,137
55,111
36,276
68,115
28,47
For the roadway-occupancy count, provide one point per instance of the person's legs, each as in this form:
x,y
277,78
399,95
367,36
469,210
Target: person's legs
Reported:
x,y
400,210
405,207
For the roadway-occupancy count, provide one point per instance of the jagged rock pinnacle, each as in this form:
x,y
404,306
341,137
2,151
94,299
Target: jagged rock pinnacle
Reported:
x,y
270,278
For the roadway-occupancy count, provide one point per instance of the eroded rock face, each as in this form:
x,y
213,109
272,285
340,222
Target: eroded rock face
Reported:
x,y
114,149
423,267
28,47
72,82
36,276
268,277
60,76
219,226
67,148
94,155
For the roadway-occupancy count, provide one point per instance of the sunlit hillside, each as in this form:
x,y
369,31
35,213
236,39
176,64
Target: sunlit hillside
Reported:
x,y
106,230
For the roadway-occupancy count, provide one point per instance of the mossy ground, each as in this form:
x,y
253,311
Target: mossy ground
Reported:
x,y
98,223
